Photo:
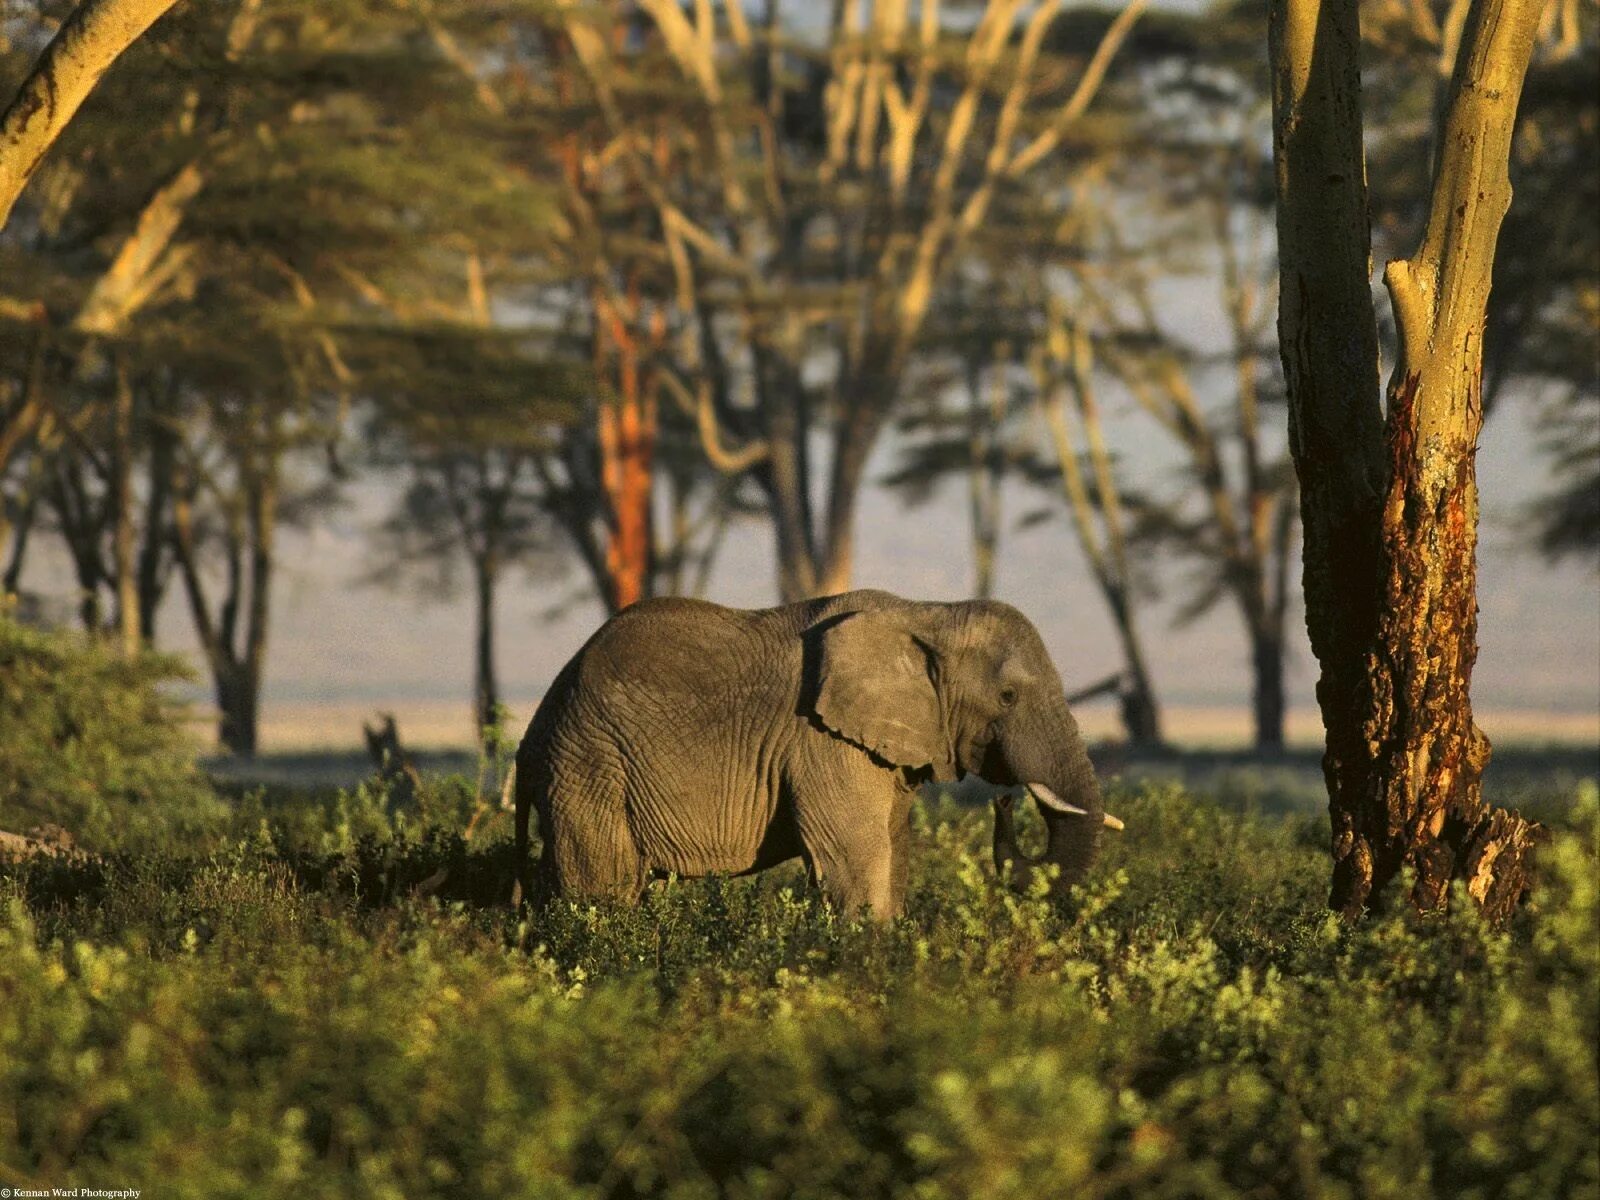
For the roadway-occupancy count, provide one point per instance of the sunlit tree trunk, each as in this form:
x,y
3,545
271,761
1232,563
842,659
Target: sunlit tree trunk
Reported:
x,y
1390,508
627,433
984,465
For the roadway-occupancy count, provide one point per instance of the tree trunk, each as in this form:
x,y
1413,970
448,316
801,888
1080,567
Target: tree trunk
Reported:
x,y
1266,661
1141,715
129,622
238,691
163,447
866,401
486,688
88,42
11,579
90,614
787,478
262,494
627,431
237,675
1390,513
81,525
985,466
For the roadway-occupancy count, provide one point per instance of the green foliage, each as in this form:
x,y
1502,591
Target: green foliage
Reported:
x,y
346,1009
88,742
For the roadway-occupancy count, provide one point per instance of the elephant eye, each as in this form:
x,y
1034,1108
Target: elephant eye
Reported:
x,y
1008,696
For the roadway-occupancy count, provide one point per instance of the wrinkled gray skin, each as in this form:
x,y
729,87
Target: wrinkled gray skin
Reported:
x,y
693,739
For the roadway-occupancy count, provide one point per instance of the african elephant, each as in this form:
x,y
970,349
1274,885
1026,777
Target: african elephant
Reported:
x,y
692,739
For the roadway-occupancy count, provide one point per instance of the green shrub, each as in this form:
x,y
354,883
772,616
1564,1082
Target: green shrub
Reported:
x,y
368,1020
89,742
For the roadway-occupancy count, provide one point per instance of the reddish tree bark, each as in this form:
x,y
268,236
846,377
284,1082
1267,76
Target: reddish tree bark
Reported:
x,y
1390,505
627,434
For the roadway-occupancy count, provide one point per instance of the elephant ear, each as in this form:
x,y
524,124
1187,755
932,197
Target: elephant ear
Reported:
x,y
874,687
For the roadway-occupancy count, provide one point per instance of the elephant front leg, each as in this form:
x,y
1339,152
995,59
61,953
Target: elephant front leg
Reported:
x,y
857,843
900,848
860,880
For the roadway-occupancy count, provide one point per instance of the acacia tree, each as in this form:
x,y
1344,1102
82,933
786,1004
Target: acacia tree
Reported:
x,y
609,470
468,412
1539,338
1234,521
223,266
1027,365
830,193
1389,502
1063,365
77,404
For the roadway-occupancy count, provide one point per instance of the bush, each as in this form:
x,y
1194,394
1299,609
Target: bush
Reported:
x,y
88,742
366,1022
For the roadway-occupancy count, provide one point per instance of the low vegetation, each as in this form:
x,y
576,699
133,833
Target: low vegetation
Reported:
x,y
309,1011
316,995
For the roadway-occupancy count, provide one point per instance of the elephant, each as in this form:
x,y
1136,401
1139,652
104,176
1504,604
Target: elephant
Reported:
x,y
689,739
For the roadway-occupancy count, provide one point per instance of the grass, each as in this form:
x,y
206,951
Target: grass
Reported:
x,y
322,998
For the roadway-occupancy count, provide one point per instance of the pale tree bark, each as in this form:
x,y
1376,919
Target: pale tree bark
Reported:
x,y
1390,508
1095,504
986,417
89,41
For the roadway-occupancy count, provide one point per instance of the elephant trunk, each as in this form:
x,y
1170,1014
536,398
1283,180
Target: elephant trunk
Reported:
x,y
1009,860
1071,843
1063,785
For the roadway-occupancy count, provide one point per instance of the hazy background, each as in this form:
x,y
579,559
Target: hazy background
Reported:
x,y
341,650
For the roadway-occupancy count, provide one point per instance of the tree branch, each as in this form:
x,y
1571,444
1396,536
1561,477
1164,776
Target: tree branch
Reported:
x,y
88,42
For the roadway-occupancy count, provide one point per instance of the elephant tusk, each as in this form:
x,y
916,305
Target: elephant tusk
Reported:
x,y
1050,800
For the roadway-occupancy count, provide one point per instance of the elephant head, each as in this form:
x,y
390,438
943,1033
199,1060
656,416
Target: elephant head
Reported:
x,y
963,689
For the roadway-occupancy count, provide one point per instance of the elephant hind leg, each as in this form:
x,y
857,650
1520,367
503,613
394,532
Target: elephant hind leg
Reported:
x,y
595,855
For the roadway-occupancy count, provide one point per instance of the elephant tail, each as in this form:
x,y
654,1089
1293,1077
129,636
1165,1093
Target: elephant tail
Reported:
x,y
519,783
